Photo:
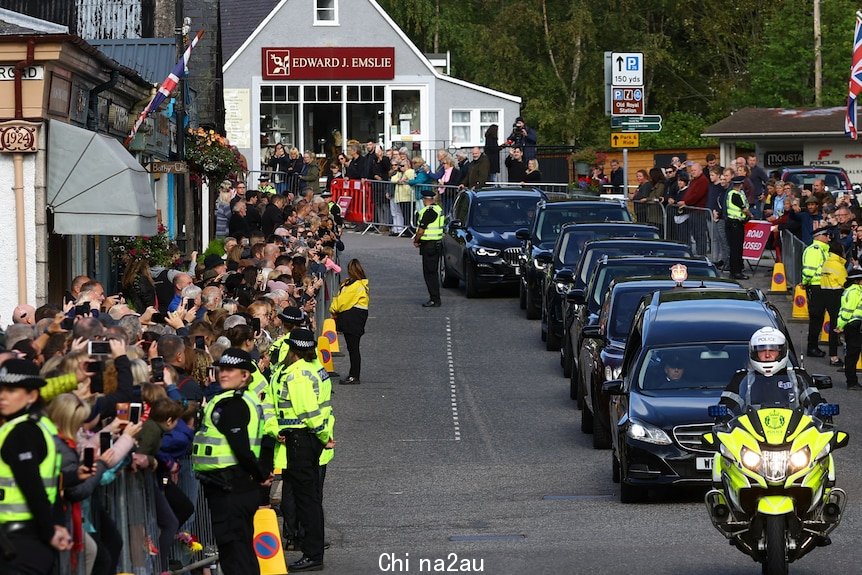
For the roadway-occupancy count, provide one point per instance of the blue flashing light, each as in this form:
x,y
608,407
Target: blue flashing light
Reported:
x,y
716,411
828,409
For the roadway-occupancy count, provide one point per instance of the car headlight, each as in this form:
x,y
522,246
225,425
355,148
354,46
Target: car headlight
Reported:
x,y
648,433
799,459
750,459
613,372
538,265
483,251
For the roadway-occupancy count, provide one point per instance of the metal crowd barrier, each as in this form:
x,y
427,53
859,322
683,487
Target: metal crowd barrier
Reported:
x,y
129,501
199,524
282,182
650,212
693,226
791,256
550,188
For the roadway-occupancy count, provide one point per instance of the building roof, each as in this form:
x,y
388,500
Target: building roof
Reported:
x,y
17,23
239,19
749,123
152,58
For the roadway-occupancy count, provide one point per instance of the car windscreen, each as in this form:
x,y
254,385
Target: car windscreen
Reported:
x,y
623,312
607,274
572,243
691,366
593,256
806,180
551,219
503,213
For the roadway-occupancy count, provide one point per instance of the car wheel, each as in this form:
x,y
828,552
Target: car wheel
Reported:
x,y
447,279
566,358
471,284
534,311
586,420
601,434
615,468
552,341
522,296
629,493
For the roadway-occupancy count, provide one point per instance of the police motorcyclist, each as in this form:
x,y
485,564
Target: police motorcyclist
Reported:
x,y
769,380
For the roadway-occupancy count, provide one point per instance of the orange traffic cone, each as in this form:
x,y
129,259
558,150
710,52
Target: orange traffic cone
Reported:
x,y
825,328
267,543
779,280
324,354
331,335
800,304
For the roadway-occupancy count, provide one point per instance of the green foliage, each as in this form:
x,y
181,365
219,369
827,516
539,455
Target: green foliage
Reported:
x,y
704,58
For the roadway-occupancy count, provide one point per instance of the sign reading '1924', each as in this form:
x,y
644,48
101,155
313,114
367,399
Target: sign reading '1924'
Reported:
x,y
328,63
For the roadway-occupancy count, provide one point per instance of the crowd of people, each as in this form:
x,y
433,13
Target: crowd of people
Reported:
x,y
209,369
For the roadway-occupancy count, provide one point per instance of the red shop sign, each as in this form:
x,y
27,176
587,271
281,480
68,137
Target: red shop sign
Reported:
x,y
328,63
757,233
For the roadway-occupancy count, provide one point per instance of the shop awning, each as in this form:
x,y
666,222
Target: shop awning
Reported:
x,y
95,186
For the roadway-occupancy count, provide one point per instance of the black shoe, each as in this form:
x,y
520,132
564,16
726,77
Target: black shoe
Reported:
x,y
349,381
816,352
306,564
836,362
823,541
431,303
738,277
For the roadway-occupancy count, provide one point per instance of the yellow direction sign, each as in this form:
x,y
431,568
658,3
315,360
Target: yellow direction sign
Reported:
x,y
625,140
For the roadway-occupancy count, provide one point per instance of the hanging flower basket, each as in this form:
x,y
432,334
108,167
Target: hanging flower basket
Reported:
x,y
210,154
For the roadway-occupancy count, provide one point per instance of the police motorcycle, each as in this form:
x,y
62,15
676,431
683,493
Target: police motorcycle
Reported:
x,y
774,494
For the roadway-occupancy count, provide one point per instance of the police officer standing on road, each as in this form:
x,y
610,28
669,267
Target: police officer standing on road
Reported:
x,y
303,422
225,456
429,240
849,322
737,214
813,259
30,524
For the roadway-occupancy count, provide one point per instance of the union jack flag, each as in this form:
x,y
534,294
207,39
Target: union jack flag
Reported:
x,y
855,80
168,86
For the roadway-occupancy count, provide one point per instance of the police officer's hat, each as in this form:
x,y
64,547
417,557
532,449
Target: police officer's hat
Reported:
x,y
824,231
235,358
291,315
263,178
853,275
737,180
428,193
301,339
21,374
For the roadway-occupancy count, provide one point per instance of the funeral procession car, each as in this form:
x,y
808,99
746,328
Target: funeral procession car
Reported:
x,y
603,343
479,243
539,241
681,352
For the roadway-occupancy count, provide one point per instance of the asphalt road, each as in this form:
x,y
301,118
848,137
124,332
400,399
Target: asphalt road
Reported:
x,y
461,450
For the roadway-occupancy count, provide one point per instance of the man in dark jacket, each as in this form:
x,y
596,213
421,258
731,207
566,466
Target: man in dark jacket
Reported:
x,y
273,215
480,167
515,166
252,215
238,226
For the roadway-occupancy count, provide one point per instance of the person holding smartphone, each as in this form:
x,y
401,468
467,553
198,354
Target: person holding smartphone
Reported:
x,y
225,456
29,474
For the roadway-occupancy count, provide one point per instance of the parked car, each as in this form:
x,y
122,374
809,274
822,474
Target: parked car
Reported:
x,y
835,178
479,243
603,343
539,241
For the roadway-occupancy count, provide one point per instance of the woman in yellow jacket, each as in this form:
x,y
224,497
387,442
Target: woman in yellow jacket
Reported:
x,y
350,310
832,278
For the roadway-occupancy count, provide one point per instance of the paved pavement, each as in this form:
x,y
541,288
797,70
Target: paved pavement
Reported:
x,y
461,450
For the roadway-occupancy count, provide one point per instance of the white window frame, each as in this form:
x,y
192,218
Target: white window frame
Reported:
x,y
477,134
333,22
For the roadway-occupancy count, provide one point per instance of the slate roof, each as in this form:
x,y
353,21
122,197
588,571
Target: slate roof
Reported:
x,y
779,122
152,58
239,18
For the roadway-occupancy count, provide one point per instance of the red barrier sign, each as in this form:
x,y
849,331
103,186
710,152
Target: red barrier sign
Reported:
x,y
756,235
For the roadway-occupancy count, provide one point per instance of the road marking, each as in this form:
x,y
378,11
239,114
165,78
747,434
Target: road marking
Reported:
x,y
454,391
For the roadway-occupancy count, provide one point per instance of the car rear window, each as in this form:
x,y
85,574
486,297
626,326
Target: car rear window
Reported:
x,y
572,243
699,366
503,213
803,180
607,274
593,256
551,220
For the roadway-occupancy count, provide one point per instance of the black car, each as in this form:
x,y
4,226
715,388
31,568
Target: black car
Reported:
x,y
681,352
567,252
591,254
540,239
479,243
603,343
586,303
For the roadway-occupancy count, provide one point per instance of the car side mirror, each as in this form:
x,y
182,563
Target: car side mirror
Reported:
x,y
613,387
822,381
576,296
591,331
456,224
523,234
564,275
544,258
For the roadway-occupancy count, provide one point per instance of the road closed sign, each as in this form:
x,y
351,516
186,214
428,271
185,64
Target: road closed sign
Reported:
x,y
756,235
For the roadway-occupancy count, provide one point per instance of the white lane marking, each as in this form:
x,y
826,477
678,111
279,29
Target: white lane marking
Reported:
x,y
454,391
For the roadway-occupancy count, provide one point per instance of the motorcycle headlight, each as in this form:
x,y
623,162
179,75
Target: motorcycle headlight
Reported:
x,y
483,251
750,459
613,372
648,433
775,463
799,459
538,265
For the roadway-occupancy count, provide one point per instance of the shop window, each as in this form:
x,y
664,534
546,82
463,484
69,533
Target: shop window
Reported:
x,y
467,127
266,93
406,112
326,12
280,93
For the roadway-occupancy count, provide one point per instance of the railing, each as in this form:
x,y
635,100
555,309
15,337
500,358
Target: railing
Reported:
x,y
791,256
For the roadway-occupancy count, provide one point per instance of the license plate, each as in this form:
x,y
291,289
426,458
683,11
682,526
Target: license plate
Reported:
x,y
703,463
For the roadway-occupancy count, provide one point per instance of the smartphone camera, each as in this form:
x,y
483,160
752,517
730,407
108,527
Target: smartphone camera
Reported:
x,y
158,367
200,342
255,324
98,348
89,458
213,373
135,412
105,441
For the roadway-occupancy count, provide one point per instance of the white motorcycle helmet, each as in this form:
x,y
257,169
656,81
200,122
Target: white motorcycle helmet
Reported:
x,y
767,338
